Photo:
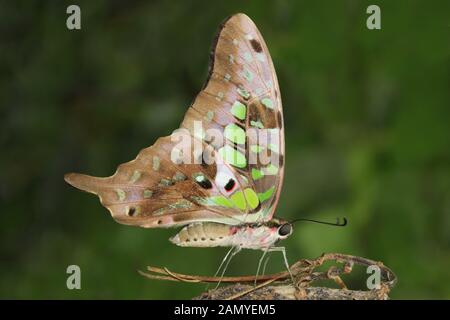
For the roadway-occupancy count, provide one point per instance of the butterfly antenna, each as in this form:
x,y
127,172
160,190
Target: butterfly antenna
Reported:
x,y
337,224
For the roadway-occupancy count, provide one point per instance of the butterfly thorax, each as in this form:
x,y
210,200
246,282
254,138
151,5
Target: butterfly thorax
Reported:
x,y
247,236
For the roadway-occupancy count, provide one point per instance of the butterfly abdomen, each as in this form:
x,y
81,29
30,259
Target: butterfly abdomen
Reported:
x,y
204,234
211,234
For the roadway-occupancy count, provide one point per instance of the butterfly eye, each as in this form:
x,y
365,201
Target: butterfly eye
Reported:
x,y
285,230
230,185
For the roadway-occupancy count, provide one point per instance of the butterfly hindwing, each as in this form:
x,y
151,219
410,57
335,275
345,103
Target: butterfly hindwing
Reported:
x,y
153,191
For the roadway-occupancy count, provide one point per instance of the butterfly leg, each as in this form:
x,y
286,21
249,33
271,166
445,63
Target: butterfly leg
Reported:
x,y
265,264
223,261
233,251
283,251
259,264
221,264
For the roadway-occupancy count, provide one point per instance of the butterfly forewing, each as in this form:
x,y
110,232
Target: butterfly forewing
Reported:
x,y
211,176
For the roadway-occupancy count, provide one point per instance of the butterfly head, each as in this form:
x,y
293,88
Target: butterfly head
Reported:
x,y
283,228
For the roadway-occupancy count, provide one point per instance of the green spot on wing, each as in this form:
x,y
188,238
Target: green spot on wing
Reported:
x,y
178,176
156,163
159,211
234,133
165,182
257,124
256,148
209,116
120,194
233,157
198,176
257,174
221,201
220,96
239,200
271,169
203,201
248,57
181,204
273,147
248,75
252,198
267,102
244,93
261,57
266,195
147,193
135,177
239,110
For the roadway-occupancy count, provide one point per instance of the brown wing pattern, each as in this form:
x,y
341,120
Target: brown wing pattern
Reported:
x,y
152,191
242,77
228,119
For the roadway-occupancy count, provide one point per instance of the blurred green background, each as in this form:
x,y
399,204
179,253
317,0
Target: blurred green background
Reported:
x,y
366,123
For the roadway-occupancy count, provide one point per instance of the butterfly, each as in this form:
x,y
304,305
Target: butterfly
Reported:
x,y
219,176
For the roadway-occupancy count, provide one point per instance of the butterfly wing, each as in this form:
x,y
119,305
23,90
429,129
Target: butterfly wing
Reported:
x,y
204,171
240,97
157,189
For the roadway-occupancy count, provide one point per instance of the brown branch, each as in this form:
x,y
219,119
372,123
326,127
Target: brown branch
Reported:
x,y
165,274
279,286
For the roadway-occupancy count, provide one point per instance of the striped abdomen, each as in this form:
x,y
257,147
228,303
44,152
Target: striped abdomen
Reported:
x,y
211,234
208,234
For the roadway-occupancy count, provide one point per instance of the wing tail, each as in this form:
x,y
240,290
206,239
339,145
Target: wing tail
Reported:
x,y
84,182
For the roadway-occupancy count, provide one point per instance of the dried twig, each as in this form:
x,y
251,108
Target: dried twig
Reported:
x,y
165,274
281,288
